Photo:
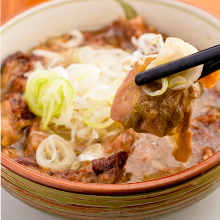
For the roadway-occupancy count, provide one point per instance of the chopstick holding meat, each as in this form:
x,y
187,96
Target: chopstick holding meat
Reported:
x,y
160,106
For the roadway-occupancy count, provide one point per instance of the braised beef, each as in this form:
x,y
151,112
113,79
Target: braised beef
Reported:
x,y
119,33
34,137
12,73
18,105
121,142
83,174
18,84
110,170
157,115
104,170
15,116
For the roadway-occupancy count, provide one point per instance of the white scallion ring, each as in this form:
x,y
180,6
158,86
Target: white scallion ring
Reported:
x,y
148,91
54,153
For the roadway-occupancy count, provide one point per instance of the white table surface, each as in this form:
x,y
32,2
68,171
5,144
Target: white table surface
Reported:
x,y
206,209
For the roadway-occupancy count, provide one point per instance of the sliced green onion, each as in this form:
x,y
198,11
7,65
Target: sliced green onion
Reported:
x,y
177,81
85,54
48,95
54,153
97,117
75,165
148,91
100,93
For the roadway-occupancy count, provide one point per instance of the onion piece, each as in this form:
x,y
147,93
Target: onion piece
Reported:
x,y
76,40
46,53
98,116
92,152
147,44
199,87
126,63
85,54
101,93
109,68
173,49
50,57
61,72
176,81
158,92
75,165
113,62
83,73
54,153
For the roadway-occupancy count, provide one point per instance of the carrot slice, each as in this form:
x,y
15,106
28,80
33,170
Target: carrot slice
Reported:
x,y
210,80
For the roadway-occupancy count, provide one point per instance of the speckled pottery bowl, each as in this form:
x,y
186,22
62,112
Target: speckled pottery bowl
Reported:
x,y
145,200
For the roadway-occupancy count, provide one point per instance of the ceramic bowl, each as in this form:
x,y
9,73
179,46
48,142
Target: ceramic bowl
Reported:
x,y
144,200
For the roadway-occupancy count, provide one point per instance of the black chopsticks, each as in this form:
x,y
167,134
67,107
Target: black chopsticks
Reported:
x,y
210,67
209,57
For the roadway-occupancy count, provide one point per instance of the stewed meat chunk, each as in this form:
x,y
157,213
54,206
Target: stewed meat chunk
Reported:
x,y
110,170
119,33
35,137
157,115
103,170
14,67
121,142
15,116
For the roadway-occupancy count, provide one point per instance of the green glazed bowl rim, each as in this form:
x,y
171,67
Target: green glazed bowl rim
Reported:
x,y
111,189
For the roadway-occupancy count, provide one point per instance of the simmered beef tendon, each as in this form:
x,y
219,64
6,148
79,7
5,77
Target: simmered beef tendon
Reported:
x,y
14,67
15,116
104,170
121,142
157,115
35,137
